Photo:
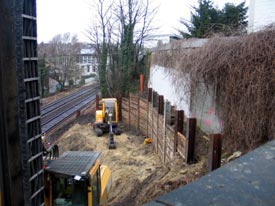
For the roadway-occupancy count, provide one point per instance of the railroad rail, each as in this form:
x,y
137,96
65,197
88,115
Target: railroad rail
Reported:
x,y
55,113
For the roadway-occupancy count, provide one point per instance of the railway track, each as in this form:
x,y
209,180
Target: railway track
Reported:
x,y
55,113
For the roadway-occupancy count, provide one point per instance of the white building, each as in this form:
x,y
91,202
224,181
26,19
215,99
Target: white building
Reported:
x,y
87,61
261,14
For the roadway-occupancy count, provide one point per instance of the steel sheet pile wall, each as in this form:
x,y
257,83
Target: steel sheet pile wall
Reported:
x,y
153,119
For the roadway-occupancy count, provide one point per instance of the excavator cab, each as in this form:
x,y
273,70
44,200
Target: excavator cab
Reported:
x,y
77,179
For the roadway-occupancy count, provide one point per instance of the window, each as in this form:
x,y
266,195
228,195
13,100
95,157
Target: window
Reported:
x,y
96,188
88,68
69,192
62,191
80,193
89,59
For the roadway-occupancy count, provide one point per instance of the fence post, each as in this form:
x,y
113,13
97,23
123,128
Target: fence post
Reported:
x,y
163,127
157,129
147,108
191,137
97,102
129,114
215,148
141,83
152,117
138,115
155,99
161,105
149,99
178,127
150,93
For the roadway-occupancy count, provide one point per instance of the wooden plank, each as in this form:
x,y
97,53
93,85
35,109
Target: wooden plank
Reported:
x,y
181,147
133,107
144,118
134,101
125,108
170,128
143,103
125,113
181,137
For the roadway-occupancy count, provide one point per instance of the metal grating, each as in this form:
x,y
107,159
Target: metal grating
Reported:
x,y
30,121
21,171
73,163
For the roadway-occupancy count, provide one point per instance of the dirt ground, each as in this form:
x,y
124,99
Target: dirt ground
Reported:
x,y
138,175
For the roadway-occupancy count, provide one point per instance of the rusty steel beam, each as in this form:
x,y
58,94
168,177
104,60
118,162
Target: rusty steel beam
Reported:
x,y
215,149
191,138
161,104
150,93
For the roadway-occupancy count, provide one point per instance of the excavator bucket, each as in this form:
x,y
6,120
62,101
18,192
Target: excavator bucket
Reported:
x,y
112,144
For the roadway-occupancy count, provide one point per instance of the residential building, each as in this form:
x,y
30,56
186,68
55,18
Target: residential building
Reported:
x,y
87,60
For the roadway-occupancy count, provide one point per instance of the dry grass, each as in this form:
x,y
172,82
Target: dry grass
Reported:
x,y
242,71
138,174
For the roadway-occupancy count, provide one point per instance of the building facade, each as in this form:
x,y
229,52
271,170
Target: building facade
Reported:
x,y
87,60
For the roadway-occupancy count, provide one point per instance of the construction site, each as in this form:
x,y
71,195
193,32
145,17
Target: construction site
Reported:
x,y
138,174
195,131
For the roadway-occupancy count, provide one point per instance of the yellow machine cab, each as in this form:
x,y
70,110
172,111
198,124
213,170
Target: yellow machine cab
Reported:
x,y
77,179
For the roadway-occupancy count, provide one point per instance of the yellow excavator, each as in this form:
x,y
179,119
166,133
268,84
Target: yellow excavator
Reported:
x,y
106,120
76,178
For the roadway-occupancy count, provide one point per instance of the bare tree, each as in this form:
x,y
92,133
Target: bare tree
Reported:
x,y
99,35
61,57
135,21
120,34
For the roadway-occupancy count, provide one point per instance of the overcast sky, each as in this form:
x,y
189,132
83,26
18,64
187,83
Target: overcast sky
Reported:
x,y
61,16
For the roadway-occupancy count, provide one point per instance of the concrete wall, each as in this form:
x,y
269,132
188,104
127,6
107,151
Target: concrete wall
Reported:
x,y
204,108
201,106
161,81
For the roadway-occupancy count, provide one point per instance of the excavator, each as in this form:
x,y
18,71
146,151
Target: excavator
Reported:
x,y
106,120
76,178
